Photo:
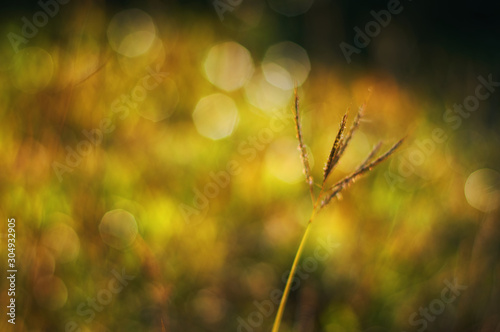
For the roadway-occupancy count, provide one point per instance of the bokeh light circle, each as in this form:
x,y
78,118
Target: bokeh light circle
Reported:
x,y
277,76
228,66
62,241
266,96
139,65
209,307
131,32
50,292
245,16
286,63
118,229
482,189
215,116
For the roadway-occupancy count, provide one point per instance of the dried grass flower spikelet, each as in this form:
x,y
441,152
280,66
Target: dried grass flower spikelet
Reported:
x,y
326,194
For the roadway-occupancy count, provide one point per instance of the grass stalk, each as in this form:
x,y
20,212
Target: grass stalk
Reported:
x,y
281,308
332,192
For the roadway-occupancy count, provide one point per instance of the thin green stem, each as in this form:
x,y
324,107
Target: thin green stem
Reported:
x,y
281,308
284,298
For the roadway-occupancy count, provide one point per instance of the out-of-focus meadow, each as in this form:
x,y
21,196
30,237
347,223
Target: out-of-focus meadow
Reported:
x,y
150,162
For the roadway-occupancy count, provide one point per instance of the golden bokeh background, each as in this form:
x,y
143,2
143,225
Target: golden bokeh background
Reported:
x,y
150,162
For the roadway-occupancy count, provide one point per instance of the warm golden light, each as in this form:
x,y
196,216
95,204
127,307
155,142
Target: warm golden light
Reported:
x,y
215,116
131,32
228,66
118,229
482,189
